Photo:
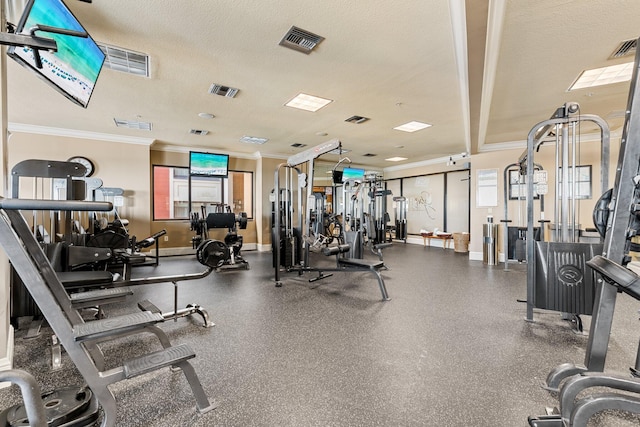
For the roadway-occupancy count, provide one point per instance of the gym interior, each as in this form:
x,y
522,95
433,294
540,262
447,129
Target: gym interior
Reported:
x,y
448,238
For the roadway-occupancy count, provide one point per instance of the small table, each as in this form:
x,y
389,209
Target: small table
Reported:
x,y
445,237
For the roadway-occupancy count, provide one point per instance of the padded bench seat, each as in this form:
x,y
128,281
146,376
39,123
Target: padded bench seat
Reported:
x,y
361,263
83,279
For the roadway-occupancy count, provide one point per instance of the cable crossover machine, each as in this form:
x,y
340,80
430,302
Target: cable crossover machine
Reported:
x,y
291,226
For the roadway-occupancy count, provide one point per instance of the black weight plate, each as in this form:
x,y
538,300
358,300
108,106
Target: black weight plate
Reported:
x,y
62,406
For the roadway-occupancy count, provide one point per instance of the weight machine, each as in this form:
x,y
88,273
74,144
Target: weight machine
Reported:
x,y
557,275
290,248
617,216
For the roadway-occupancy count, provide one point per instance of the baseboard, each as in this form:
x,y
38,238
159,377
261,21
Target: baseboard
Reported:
x,y
6,362
263,248
475,256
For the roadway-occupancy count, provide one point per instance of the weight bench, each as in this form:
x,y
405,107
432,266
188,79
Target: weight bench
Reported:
x,y
80,339
353,264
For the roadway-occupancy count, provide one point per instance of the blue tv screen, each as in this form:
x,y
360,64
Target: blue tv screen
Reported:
x,y
352,173
74,68
208,164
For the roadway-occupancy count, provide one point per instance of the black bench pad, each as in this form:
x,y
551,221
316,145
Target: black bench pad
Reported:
x,y
354,262
159,359
100,294
115,325
80,279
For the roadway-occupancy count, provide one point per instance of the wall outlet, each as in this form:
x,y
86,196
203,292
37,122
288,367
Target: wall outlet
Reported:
x,y
166,238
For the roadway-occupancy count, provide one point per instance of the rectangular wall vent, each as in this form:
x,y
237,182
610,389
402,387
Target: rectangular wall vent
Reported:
x,y
357,119
132,124
198,132
625,48
298,145
217,89
126,61
300,40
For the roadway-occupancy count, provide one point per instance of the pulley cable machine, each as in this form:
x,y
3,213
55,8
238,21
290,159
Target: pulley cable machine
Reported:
x,y
286,240
292,242
513,240
557,275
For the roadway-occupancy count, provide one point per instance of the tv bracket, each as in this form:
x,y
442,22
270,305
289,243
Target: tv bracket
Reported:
x,y
38,43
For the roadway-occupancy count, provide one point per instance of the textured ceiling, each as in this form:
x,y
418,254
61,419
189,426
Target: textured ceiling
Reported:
x,y
482,73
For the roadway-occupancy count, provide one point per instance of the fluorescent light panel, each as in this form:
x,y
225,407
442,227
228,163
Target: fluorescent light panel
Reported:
x,y
603,76
253,139
396,159
308,102
412,126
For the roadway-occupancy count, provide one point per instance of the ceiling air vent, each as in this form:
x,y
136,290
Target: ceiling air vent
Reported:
x,y
369,155
253,139
229,92
300,40
298,145
198,132
132,124
625,48
357,119
127,61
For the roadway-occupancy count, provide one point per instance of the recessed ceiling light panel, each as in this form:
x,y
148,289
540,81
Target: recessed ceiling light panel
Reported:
x,y
308,102
412,126
396,159
253,140
603,76
132,124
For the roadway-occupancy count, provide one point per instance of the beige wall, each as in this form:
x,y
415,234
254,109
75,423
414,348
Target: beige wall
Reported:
x,y
590,155
178,231
117,164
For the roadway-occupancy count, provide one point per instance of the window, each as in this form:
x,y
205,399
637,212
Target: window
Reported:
x,y
583,182
518,186
171,192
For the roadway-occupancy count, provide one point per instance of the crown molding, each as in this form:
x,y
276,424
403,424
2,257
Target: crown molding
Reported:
x,y
82,134
522,144
185,149
430,162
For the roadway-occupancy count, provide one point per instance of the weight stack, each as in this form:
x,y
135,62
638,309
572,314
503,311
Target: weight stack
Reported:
x,y
563,281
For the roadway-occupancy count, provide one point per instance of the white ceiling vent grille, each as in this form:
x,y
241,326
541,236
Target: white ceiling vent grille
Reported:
x,y
298,145
131,124
625,48
127,61
357,119
217,89
369,155
253,139
300,40
198,132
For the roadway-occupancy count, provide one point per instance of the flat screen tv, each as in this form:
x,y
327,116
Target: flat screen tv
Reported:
x,y
208,164
74,68
352,173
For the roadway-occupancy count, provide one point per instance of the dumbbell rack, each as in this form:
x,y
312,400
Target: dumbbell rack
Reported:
x,y
623,223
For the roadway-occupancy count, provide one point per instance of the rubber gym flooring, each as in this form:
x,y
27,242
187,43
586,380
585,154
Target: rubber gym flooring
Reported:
x,y
451,348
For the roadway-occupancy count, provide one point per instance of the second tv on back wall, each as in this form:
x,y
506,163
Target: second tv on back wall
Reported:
x,y
208,164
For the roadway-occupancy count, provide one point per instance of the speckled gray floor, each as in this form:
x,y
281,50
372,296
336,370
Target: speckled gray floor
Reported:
x,y
450,349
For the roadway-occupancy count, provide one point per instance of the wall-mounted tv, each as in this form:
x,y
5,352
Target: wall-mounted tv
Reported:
x,y
74,68
208,164
352,173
